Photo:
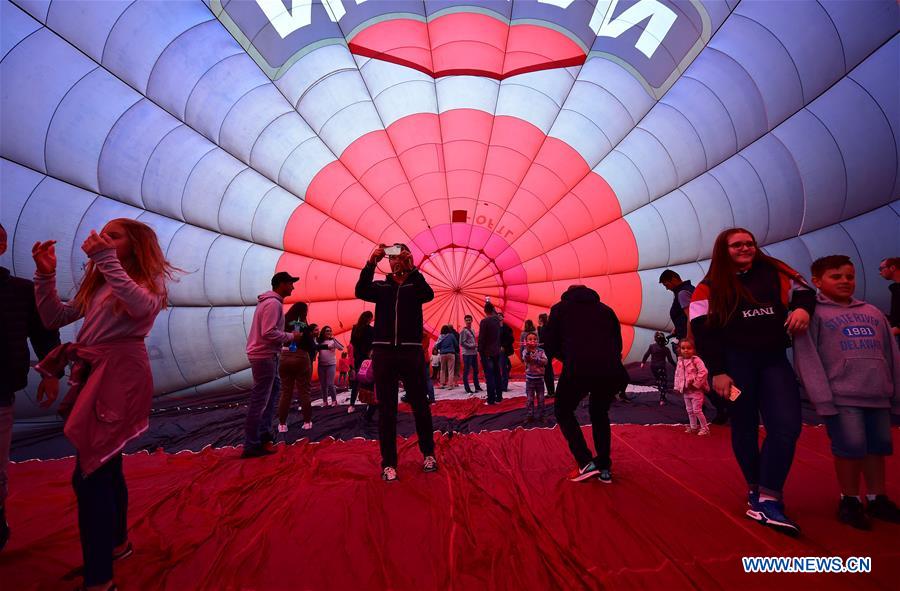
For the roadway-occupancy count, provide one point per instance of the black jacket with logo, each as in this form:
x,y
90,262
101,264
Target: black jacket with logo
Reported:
x,y
19,321
398,307
755,326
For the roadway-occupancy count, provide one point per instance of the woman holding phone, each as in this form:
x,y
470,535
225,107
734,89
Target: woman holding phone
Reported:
x,y
743,314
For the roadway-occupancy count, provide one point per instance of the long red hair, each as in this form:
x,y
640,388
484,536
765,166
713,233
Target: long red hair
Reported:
x,y
725,289
147,266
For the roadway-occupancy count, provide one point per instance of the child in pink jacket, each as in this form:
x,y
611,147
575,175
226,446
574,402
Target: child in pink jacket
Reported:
x,y
691,380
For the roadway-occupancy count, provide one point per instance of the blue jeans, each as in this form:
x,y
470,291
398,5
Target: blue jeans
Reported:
x,y
505,368
857,432
263,397
492,377
470,363
768,389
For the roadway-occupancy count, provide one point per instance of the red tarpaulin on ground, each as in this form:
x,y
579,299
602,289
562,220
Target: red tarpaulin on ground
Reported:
x,y
498,515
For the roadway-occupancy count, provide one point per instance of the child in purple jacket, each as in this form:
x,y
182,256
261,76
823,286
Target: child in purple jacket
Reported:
x,y
535,363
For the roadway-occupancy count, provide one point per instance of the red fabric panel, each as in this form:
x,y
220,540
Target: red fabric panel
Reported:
x,y
467,44
498,515
469,407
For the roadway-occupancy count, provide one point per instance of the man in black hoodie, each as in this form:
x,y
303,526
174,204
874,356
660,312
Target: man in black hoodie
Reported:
x,y
586,336
489,349
397,350
19,321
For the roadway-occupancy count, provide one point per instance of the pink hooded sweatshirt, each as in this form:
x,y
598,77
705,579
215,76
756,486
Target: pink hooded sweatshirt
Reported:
x,y
113,405
266,330
691,375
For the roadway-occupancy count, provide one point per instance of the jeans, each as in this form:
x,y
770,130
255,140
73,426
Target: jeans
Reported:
x,y
550,379
492,378
857,432
534,388
569,393
392,364
265,391
6,424
470,363
326,382
505,368
295,372
102,517
768,388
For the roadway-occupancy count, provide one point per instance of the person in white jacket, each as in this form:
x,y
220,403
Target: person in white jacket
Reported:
x,y
263,347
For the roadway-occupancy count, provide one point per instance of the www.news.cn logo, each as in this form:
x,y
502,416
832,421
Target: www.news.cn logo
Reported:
x,y
807,564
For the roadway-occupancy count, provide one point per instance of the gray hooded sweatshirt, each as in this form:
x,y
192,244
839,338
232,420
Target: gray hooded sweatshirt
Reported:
x,y
848,358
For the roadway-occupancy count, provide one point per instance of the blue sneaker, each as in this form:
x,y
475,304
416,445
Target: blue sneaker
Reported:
x,y
753,500
605,477
771,513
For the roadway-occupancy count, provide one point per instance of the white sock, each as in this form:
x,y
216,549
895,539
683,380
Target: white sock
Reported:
x,y
870,497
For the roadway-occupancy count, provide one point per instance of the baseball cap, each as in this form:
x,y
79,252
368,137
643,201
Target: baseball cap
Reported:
x,y
283,277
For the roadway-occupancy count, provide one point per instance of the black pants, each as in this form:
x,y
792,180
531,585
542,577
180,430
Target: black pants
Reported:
x,y
549,379
102,517
570,391
768,389
392,364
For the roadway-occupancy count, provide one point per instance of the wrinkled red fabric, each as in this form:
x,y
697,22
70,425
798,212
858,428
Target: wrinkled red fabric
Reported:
x,y
463,408
498,515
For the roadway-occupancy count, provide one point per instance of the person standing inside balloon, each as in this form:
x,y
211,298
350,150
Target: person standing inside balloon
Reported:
x,y
549,376
111,385
742,317
267,336
489,349
469,347
19,323
585,334
397,350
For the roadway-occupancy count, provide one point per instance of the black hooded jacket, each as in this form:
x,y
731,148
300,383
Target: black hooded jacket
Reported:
x,y
585,335
19,321
398,307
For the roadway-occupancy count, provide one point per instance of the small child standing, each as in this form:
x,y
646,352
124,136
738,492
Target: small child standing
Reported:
x,y
658,354
327,364
343,368
535,364
691,380
850,367
435,365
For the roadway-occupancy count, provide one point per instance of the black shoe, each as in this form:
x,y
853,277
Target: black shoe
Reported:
x,y
256,452
469,391
4,528
477,389
850,511
884,509
266,438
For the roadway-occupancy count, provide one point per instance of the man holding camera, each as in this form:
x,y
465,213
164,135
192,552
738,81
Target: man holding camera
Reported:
x,y
397,350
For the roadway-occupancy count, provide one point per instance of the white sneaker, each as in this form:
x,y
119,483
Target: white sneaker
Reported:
x,y
389,474
690,429
351,410
307,426
282,428
430,464
703,432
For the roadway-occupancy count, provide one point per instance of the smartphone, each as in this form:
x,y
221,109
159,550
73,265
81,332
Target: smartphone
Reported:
x,y
735,392
392,251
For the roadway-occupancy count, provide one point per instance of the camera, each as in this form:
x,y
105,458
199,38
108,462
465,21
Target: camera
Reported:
x,y
392,251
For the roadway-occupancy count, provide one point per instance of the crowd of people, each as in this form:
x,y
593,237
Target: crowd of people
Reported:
x,y
731,333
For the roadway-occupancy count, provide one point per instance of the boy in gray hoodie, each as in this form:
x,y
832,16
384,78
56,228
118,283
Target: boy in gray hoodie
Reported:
x,y
850,367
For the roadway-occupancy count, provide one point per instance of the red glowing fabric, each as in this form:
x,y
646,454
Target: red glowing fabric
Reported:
x,y
498,515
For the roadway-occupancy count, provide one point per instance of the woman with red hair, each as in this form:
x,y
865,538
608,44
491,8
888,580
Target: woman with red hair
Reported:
x,y
111,387
742,315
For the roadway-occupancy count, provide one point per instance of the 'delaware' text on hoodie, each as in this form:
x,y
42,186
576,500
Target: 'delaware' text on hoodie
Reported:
x,y
848,357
